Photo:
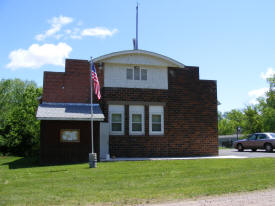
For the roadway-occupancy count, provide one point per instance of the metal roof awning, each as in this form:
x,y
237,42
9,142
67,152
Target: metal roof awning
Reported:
x,y
69,111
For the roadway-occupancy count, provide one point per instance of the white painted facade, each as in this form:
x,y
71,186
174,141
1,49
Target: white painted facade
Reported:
x,y
117,63
116,76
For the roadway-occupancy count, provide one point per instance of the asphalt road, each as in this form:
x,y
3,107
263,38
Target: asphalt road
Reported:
x,y
246,153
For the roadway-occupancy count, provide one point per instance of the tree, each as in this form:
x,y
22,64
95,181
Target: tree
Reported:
x,y
267,107
19,131
253,120
257,118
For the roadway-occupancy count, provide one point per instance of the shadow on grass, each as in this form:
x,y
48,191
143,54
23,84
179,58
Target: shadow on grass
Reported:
x,y
30,162
24,162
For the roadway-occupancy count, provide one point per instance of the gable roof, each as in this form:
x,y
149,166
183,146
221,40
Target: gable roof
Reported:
x,y
169,60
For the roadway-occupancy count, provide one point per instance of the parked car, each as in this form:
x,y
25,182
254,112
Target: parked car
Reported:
x,y
256,141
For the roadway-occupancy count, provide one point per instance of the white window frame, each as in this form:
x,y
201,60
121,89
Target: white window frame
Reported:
x,y
116,109
140,74
156,110
136,109
132,76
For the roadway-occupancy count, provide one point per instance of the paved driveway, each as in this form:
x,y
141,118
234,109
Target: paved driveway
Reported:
x,y
246,153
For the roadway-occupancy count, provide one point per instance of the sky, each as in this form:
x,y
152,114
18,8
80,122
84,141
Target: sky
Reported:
x,y
233,42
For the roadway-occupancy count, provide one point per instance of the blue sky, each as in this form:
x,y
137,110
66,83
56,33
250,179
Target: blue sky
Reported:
x,y
232,42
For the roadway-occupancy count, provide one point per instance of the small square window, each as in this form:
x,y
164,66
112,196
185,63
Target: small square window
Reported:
x,y
136,73
143,74
130,74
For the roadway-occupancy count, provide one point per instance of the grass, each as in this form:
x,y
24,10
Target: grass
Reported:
x,y
22,182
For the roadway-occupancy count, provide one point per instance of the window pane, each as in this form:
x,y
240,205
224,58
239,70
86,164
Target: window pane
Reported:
x,y
156,127
136,127
116,117
136,117
130,74
116,127
156,118
252,137
136,73
143,74
262,136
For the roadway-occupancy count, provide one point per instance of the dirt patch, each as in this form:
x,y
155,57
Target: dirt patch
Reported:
x,y
256,198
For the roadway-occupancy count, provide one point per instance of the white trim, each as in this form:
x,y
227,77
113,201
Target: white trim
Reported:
x,y
69,104
136,110
69,119
158,110
116,109
126,52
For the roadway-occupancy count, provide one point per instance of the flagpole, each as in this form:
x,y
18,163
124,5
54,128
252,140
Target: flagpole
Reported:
x,y
92,134
137,27
92,155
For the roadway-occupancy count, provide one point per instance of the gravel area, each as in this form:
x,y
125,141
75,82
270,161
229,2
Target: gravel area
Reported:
x,y
259,198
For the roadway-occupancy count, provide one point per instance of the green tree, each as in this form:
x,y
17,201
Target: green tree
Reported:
x,y
19,133
267,107
253,121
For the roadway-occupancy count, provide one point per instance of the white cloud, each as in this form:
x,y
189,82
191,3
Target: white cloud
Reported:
x,y
98,32
75,34
36,56
56,24
269,73
68,31
56,31
254,94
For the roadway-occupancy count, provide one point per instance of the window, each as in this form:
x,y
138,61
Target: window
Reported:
x,y
136,120
69,135
116,119
136,73
262,136
156,120
116,122
252,137
143,74
130,74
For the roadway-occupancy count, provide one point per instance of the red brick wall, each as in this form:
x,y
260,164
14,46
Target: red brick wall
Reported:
x,y
71,86
190,117
190,112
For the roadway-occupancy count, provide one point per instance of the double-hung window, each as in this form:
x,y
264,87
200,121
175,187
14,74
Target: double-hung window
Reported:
x,y
156,120
136,120
116,119
136,73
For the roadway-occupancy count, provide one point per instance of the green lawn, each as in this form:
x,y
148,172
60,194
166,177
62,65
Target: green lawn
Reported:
x,y
24,183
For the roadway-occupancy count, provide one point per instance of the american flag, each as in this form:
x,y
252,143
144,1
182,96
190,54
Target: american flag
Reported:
x,y
96,82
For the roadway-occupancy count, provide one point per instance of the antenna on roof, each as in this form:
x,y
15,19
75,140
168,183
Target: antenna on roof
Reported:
x,y
135,41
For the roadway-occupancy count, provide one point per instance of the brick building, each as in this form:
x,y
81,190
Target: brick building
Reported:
x,y
151,106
